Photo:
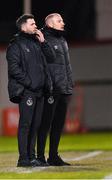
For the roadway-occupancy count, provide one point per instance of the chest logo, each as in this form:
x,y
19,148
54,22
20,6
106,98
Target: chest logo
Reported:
x,y
55,47
27,49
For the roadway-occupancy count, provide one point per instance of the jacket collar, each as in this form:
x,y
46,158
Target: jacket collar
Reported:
x,y
25,35
54,32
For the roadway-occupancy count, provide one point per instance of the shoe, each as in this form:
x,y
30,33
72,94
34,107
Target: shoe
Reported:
x,y
42,161
38,162
28,163
57,161
23,163
35,162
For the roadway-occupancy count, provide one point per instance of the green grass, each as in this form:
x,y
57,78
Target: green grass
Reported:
x,y
73,145
56,175
89,141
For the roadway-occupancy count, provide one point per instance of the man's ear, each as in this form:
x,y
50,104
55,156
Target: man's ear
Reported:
x,y
50,24
23,27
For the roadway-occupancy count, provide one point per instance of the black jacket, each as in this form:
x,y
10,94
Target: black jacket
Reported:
x,y
59,66
26,67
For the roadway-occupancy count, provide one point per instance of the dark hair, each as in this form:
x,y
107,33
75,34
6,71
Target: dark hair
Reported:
x,y
22,19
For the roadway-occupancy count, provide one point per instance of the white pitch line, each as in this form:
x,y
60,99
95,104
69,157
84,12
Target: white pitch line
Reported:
x,y
108,177
34,169
89,155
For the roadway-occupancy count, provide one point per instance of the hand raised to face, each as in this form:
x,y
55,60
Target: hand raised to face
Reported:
x,y
40,36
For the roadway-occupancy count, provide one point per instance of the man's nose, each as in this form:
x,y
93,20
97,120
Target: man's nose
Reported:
x,y
63,23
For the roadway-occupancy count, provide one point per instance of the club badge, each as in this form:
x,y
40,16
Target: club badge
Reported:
x,y
55,47
29,102
50,100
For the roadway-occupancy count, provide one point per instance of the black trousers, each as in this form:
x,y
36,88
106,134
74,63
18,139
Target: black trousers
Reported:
x,y
53,119
30,109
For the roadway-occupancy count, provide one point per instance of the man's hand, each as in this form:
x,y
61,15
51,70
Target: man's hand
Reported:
x,y
40,36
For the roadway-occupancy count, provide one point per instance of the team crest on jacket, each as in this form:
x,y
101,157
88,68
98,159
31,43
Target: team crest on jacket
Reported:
x,y
29,102
55,47
27,49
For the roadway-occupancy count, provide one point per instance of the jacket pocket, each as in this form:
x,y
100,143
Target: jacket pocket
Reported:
x,y
15,90
58,75
37,78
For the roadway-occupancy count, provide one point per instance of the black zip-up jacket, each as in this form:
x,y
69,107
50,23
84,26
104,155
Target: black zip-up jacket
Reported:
x,y
59,67
26,67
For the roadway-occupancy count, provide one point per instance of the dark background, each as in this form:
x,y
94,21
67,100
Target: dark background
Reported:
x,y
91,62
79,17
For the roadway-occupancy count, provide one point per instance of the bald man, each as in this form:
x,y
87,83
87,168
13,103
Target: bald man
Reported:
x,y
55,112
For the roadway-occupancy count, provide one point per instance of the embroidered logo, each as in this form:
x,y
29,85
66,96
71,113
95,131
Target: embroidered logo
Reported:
x,y
55,47
27,49
29,102
51,100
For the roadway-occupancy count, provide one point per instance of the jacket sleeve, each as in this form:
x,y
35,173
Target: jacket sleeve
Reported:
x,y
15,69
48,52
